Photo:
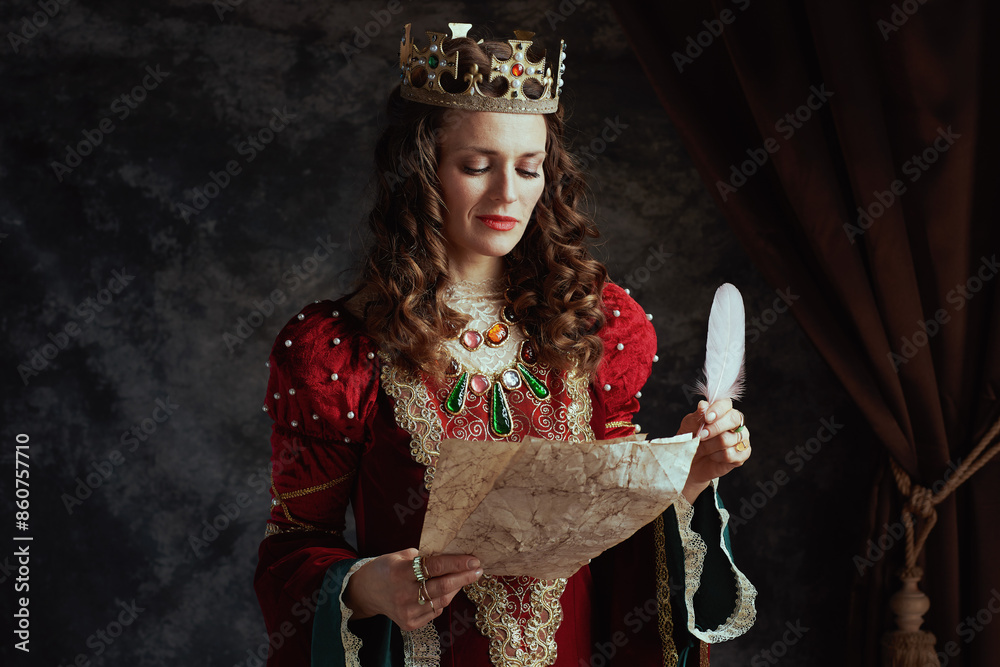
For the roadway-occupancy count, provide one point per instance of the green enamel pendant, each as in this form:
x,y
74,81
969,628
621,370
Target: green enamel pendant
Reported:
x,y
456,399
537,386
500,420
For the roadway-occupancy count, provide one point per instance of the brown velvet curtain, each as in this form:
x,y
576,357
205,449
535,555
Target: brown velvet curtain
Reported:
x,y
806,112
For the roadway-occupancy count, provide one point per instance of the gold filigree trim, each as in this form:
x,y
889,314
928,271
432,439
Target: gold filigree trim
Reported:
x,y
579,410
664,614
619,425
702,654
415,413
502,601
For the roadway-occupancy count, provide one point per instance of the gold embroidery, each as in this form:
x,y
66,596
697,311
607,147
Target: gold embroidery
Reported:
x,y
516,639
416,413
703,654
501,600
579,411
666,621
281,497
619,425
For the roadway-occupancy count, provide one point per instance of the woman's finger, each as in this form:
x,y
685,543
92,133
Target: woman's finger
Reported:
x,y
450,584
436,566
715,410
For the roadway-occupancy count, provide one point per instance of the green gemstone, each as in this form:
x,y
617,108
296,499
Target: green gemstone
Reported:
x,y
537,386
456,399
500,421
432,61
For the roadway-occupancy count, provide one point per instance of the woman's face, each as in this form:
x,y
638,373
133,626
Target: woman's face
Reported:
x,y
490,168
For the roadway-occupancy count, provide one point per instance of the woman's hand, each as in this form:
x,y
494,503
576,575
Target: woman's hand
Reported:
x,y
717,452
387,585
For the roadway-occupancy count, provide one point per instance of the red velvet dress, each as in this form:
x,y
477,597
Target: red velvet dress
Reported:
x,y
351,428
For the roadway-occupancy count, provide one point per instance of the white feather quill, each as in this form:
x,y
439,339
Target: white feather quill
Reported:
x,y
724,351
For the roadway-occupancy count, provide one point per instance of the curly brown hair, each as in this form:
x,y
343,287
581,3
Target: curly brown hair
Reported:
x,y
556,283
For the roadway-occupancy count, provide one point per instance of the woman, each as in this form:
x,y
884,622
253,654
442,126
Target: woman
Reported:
x,y
482,316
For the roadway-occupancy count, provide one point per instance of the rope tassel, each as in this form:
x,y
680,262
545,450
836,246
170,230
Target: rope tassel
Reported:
x,y
909,646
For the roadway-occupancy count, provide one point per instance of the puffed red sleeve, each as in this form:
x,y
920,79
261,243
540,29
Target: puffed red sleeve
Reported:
x,y
629,351
321,395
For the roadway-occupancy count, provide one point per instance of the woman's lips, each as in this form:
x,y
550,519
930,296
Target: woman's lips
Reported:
x,y
503,223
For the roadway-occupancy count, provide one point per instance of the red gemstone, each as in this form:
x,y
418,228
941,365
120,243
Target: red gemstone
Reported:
x,y
517,69
527,352
479,384
472,339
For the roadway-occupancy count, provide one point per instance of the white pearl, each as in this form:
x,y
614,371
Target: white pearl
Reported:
x,y
336,313
649,316
434,48
291,392
628,291
275,502
277,395
617,313
336,341
268,363
294,423
656,357
264,408
333,376
518,56
347,439
315,416
607,387
301,316
504,68
637,428
371,355
515,83
620,346
638,394
350,415
288,343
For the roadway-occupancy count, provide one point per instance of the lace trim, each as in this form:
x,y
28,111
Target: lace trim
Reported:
x,y
352,643
414,412
422,647
470,289
743,616
500,601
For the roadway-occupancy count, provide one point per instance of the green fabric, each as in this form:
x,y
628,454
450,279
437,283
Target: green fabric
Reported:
x,y
327,643
715,598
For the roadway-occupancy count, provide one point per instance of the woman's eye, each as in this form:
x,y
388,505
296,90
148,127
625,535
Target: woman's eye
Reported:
x,y
471,170
529,174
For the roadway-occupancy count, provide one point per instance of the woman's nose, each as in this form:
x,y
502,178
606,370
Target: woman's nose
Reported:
x,y
504,187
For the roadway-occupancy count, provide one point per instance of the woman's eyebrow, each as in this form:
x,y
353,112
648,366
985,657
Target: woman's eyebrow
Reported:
x,y
491,151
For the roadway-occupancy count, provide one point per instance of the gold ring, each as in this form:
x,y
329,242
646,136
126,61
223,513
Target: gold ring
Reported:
x,y
418,569
432,606
741,446
422,596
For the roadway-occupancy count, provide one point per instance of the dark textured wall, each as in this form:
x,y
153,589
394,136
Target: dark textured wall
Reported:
x,y
131,286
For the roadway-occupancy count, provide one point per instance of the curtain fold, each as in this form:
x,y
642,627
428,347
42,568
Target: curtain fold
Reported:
x,y
852,147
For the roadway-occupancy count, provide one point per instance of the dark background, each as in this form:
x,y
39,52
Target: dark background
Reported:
x,y
173,333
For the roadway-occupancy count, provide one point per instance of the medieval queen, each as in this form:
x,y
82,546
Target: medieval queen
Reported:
x,y
479,314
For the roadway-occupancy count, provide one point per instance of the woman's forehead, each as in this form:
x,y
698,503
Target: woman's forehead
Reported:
x,y
492,132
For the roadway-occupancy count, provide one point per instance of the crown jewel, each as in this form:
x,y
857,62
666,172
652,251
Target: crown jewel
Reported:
x,y
434,62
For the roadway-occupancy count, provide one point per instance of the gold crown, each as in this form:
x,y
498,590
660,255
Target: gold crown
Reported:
x,y
516,70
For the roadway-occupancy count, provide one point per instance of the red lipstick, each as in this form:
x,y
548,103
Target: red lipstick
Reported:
x,y
502,223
